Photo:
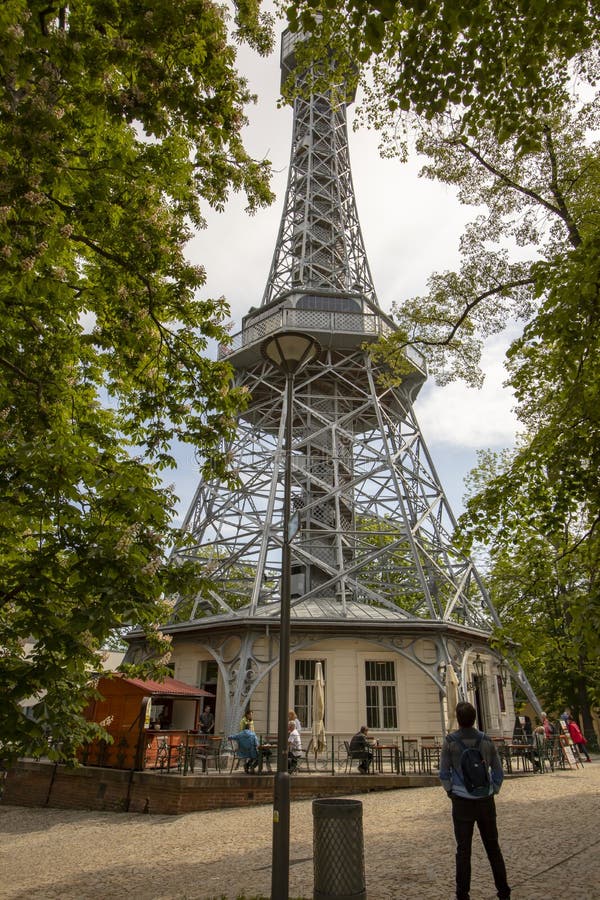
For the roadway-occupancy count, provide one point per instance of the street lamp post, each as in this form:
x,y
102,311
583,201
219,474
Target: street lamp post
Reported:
x,y
479,670
290,351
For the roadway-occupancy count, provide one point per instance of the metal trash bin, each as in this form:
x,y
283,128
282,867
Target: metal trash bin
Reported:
x,y
338,850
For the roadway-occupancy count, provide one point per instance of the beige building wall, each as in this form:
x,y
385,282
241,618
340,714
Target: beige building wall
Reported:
x,y
417,696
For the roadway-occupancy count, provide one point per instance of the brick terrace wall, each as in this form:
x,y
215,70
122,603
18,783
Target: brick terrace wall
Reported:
x,y
87,787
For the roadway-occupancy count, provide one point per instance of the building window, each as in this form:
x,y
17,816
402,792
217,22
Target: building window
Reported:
x,y
304,681
207,673
380,678
329,304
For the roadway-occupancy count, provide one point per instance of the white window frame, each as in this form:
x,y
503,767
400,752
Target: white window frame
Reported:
x,y
385,692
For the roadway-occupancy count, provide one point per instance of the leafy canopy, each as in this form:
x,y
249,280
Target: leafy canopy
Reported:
x,y
501,63
120,122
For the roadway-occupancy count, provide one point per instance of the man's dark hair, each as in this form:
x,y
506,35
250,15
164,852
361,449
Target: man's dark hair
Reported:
x,y
465,714
363,729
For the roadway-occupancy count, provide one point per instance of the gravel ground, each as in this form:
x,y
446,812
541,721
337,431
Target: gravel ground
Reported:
x,y
548,828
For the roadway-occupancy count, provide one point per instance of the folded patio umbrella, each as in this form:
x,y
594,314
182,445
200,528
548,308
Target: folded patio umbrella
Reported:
x,y
451,697
318,722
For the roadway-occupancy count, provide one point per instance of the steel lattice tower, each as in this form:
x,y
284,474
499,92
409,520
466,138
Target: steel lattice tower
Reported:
x,y
375,528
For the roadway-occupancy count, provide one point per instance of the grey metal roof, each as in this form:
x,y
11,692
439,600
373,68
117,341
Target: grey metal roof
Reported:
x,y
324,608
326,614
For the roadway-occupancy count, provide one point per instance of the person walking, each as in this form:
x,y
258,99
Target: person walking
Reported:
x,y
578,738
207,721
292,717
247,721
471,774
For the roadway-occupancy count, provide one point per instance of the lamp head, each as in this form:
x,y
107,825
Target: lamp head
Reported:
x,y
479,666
290,351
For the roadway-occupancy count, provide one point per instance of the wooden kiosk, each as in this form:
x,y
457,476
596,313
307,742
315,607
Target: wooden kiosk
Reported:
x,y
148,721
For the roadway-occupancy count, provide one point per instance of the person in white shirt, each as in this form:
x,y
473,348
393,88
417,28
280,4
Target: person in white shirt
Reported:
x,y
294,748
292,717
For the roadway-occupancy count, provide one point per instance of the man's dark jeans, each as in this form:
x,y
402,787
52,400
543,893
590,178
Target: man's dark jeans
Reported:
x,y
464,815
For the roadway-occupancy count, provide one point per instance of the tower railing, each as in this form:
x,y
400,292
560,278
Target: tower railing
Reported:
x,y
370,324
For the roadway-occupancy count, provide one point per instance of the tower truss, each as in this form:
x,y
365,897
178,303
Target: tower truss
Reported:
x,y
320,244
373,524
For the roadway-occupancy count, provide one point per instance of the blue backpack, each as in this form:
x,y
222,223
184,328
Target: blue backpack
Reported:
x,y
473,767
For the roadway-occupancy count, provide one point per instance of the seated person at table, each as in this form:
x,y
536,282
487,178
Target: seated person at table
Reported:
x,y
360,748
547,726
207,720
292,717
247,748
294,748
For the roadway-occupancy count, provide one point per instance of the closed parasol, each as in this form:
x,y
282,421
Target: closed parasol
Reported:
x,y
451,697
318,721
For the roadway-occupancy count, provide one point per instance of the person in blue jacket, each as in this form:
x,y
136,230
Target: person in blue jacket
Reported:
x,y
468,809
247,748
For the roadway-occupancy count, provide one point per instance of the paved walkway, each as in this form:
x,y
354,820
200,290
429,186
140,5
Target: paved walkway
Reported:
x,y
548,831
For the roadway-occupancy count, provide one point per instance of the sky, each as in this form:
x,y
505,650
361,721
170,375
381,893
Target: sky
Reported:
x,y
411,227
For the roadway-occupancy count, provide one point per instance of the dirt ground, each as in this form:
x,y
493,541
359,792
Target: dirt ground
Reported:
x,y
548,828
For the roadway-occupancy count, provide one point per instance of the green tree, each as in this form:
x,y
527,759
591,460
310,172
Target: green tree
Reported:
x,y
120,122
528,161
499,63
542,204
545,587
532,256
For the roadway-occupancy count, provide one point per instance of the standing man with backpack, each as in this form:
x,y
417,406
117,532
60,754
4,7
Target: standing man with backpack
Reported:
x,y
471,774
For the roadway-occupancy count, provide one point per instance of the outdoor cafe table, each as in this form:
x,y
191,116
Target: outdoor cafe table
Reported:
x,y
269,757
523,752
378,754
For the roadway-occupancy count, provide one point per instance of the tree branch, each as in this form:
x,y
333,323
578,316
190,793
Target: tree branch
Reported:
x,y
509,181
585,537
9,365
565,215
469,307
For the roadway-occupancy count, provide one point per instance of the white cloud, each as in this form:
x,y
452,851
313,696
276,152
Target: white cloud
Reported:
x,y
459,416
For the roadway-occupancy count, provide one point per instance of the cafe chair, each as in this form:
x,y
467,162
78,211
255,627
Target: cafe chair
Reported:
x,y
304,755
267,753
235,758
410,754
212,752
358,755
430,753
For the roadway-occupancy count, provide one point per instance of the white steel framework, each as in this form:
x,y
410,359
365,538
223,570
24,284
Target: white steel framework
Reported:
x,y
374,525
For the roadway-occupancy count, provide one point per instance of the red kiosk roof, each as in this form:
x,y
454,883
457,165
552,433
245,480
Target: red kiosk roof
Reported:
x,y
170,687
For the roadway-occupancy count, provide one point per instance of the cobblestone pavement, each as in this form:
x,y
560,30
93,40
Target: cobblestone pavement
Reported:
x,y
548,828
